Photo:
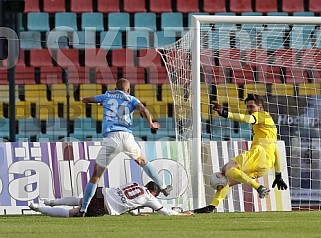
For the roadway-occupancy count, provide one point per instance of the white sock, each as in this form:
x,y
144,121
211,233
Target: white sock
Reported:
x,y
54,211
68,201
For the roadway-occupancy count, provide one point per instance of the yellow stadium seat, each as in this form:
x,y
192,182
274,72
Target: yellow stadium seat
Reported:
x,y
237,107
282,89
254,88
167,93
23,110
35,93
86,90
76,110
97,112
59,93
1,109
46,109
146,93
158,109
227,93
306,89
205,111
111,87
4,93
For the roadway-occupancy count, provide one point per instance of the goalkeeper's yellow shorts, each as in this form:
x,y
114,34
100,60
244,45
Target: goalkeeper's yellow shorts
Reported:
x,y
255,162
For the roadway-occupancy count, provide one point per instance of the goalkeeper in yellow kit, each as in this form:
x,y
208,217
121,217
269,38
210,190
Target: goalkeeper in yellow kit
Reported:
x,y
256,162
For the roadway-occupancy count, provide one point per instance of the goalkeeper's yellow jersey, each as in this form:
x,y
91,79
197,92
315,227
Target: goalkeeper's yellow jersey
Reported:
x,y
264,129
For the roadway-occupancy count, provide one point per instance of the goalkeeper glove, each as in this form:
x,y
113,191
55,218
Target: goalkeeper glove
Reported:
x,y
280,182
219,109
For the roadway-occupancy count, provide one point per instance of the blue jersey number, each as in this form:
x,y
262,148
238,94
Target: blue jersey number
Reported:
x,y
118,112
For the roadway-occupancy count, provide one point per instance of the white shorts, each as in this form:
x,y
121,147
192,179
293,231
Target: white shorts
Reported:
x,y
114,143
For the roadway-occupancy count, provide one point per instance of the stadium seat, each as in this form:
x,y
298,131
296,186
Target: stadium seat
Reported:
x,y
159,109
194,13
157,75
268,74
145,21
112,6
53,6
24,75
76,110
107,75
300,37
217,75
30,40
315,76
278,26
29,126
227,93
66,21
311,58
149,58
78,75
133,6
57,127
23,110
243,75
92,20
5,93
303,14
96,112
96,58
272,39
58,39
35,93
139,39
146,93
186,6
252,27
84,39
256,56
278,89
67,57
40,57
285,57
167,93
266,6
86,90
254,88
79,6
230,58
309,89
87,125
50,75
20,62
315,6
172,21
59,94
213,6
111,40
225,26
296,75
38,21
31,6
122,57
160,6
239,6
293,6
162,38
118,21
46,109
207,59
135,75
4,125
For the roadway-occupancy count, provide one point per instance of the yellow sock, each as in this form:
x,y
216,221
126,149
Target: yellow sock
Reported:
x,y
220,195
240,176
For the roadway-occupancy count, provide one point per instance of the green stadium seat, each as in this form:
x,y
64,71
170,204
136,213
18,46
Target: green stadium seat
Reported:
x,y
38,21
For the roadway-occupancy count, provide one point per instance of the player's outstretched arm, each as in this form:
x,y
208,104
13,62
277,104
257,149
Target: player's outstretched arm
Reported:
x,y
233,116
154,125
88,100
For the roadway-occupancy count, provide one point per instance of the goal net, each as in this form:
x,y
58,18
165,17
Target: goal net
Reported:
x,y
223,59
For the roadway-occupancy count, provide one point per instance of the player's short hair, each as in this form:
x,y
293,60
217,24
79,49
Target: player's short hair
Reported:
x,y
153,187
120,83
256,98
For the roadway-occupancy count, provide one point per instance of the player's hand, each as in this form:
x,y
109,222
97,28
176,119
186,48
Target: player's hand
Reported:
x,y
219,109
155,125
186,213
279,182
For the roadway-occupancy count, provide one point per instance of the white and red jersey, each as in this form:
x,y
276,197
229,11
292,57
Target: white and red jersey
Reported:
x,y
130,196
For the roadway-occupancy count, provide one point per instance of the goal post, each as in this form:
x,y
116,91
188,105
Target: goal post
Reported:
x,y
224,58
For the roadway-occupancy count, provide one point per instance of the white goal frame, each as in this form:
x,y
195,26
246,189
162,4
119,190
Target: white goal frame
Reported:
x,y
197,20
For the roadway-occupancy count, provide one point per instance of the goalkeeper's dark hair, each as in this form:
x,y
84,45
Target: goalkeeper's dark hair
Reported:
x,y
256,98
153,187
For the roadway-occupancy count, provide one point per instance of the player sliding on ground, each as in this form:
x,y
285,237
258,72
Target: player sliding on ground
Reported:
x,y
256,162
112,201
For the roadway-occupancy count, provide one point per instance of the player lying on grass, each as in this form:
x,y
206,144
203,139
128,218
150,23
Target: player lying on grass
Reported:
x,y
112,201
262,156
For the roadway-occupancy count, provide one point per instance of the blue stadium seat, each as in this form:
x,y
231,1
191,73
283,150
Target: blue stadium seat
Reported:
x,y
65,21
300,37
220,39
84,128
29,126
221,128
92,20
252,26
138,39
244,132
273,39
225,26
147,21
118,21
38,21
194,13
30,40
84,39
164,38
317,34
278,26
172,21
4,127
57,40
57,127
111,40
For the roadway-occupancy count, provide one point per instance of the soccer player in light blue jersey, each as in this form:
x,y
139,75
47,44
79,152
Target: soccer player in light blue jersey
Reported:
x,y
116,129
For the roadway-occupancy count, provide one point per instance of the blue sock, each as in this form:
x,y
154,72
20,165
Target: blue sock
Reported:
x,y
151,172
90,191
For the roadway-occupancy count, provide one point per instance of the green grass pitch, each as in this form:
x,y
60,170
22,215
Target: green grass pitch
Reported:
x,y
236,225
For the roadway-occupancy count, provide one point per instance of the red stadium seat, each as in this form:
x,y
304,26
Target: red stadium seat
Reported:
x,y
53,6
243,75
40,57
186,6
3,76
239,6
122,57
149,58
96,57
256,56
21,59
293,6
268,74
67,57
135,75
285,57
160,6
218,75
50,75
207,59
230,58
214,6
311,58
25,75
266,6
157,75
79,6
315,6
296,75
78,75
133,6
112,6
106,75
31,6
